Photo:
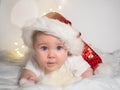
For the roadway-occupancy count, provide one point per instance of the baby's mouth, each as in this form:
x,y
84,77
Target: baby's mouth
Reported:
x,y
50,64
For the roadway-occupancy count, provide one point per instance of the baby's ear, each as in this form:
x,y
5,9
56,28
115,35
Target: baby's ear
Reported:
x,y
33,46
69,54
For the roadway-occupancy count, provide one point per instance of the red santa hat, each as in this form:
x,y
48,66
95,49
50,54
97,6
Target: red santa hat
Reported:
x,y
54,24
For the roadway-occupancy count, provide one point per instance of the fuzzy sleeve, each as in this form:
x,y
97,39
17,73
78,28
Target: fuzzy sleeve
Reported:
x,y
33,66
77,65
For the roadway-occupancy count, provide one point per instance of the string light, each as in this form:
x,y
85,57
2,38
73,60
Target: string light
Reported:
x,y
15,43
20,54
23,46
58,7
50,9
44,13
16,49
17,52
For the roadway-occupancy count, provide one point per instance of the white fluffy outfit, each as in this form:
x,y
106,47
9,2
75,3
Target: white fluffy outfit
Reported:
x,y
73,67
70,72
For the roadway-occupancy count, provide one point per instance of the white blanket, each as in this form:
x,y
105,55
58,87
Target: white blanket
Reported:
x,y
9,74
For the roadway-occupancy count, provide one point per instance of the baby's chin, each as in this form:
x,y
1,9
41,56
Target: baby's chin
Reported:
x,y
52,69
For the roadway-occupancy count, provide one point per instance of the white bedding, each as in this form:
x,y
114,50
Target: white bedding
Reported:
x,y
10,71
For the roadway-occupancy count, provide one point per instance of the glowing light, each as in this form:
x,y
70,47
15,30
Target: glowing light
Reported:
x,y
54,5
15,43
17,52
20,54
59,7
23,46
16,49
51,9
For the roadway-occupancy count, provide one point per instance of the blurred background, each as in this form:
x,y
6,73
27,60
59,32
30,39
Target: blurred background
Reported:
x,y
97,20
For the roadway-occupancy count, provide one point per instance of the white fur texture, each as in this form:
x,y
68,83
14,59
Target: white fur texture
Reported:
x,y
56,28
104,69
25,82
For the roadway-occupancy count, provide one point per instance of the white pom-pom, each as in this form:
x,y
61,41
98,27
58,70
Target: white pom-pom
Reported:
x,y
25,82
105,69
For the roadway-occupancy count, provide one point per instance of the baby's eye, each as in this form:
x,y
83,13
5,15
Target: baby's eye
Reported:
x,y
59,47
44,48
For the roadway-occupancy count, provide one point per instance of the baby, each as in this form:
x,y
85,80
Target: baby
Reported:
x,y
56,46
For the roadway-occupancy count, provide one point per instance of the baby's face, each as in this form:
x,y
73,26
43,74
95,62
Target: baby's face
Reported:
x,y
50,51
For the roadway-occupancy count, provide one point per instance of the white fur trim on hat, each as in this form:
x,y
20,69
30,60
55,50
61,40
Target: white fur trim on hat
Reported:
x,y
56,28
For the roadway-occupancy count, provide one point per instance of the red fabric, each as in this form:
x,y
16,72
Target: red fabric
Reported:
x,y
91,56
58,16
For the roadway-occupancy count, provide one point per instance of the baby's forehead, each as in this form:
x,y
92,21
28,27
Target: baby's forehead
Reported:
x,y
49,38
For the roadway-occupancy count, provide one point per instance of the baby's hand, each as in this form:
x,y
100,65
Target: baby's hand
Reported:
x,y
25,82
88,73
27,78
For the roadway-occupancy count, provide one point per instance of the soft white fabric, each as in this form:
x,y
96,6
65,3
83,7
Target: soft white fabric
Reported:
x,y
99,82
70,72
10,71
77,65
33,66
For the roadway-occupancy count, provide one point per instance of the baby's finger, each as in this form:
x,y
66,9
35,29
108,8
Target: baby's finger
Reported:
x,y
32,79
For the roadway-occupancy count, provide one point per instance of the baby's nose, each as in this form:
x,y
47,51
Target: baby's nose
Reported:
x,y
51,54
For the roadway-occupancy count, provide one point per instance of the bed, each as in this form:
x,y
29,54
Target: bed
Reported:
x,y
10,71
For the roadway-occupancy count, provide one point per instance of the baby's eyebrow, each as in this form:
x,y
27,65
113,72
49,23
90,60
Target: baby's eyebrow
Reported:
x,y
39,44
60,44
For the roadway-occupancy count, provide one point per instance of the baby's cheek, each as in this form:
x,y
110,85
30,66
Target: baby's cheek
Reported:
x,y
41,62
